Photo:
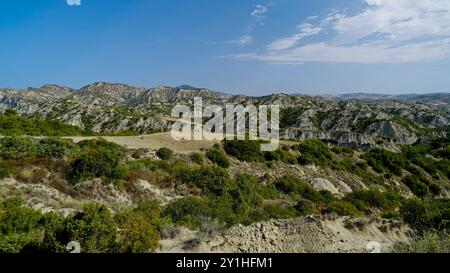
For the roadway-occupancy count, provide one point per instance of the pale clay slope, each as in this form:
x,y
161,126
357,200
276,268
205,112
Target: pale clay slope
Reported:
x,y
301,235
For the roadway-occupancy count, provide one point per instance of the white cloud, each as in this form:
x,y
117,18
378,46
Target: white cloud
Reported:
x,y
242,41
385,31
73,2
305,30
259,11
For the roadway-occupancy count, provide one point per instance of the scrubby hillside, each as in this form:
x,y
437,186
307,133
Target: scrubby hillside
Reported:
x,y
111,199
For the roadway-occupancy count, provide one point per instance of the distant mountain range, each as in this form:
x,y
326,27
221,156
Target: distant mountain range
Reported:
x,y
430,97
357,120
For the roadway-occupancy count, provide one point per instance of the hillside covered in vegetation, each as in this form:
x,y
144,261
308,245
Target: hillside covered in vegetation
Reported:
x,y
410,186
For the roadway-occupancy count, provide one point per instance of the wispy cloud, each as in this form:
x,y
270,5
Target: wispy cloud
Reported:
x,y
73,2
384,31
242,41
259,11
304,30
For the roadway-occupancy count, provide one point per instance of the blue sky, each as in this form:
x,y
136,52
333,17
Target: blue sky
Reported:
x,y
235,46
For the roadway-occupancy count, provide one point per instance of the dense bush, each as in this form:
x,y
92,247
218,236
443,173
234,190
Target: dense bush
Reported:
x,y
314,151
23,229
17,148
417,154
364,199
244,150
427,242
97,158
342,207
239,201
18,226
416,186
306,207
136,154
6,169
101,145
136,233
274,211
386,162
94,164
198,158
94,228
54,147
294,185
164,153
13,124
246,190
424,215
217,156
190,211
280,155
211,179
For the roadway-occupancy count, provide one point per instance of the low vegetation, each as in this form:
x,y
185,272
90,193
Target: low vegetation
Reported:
x,y
214,195
26,230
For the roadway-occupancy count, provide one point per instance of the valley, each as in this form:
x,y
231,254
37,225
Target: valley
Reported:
x,y
98,166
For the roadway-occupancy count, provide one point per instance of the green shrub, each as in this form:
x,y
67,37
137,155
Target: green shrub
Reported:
x,y
306,207
280,155
54,147
13,124
211,179
429,242
15,217
416,186
17,148
342,207
217,156
198,158
96,158
17,242
246,190
136,154
18,226
435,189
294,185
101,146
427,214
244,150
386,162
137,234
10,112
54,240
390,214
164,153
94,164
94,228
363,199
6,169
314,151
190,211
280,212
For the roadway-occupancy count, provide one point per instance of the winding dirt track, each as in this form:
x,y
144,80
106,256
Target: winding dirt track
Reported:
x,y
155,141
159,140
